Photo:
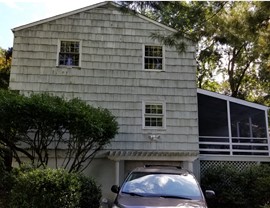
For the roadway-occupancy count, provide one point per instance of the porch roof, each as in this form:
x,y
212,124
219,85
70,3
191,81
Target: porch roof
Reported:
x,y
153,155
232,99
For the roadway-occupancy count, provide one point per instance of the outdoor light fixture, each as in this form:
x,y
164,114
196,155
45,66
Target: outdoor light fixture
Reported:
x,y
154,137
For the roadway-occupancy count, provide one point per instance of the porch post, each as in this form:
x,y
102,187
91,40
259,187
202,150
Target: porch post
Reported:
x,y
229,126
267,130
117,172
188,165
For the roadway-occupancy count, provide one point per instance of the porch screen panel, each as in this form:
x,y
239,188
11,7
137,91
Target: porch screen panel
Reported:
x,y
247,121
213,119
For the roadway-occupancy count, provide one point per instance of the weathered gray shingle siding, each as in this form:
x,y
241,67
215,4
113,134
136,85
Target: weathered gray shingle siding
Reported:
x,y
112,75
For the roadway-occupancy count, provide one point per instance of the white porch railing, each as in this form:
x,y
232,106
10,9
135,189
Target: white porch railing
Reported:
x,y
233,146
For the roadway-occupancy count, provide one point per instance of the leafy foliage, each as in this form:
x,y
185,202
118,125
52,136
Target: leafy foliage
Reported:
x,y
224,181
232,42
5,65
249,188
36,188
5,179
43,126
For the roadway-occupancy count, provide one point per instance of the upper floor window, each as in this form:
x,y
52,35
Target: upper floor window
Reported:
x,y
153,57
154,115
69,53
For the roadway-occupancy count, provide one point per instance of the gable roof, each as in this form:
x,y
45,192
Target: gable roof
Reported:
x,y
86,9
232,99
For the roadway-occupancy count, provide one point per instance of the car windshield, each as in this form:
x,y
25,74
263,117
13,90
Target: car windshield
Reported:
x,y
162,185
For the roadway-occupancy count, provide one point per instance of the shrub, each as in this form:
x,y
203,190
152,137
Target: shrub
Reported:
x,y
256,185
90,194
249,188
51,188
44,122
5,179
224,180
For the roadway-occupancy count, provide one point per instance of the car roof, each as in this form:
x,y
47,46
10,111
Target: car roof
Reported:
x,y
161,169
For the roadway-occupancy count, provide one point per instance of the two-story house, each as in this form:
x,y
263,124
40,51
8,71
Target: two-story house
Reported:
x,y
108,59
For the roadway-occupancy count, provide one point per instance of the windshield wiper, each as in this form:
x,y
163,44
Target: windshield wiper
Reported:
x,y
175,197
132,193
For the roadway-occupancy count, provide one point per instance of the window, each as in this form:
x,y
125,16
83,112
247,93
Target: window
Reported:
x,y
154,115
69,53
153,57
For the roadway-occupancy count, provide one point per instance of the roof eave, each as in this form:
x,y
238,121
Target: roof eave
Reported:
x,y
85,9
232,99
59,16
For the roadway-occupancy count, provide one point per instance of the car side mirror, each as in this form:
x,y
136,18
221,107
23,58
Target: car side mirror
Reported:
x,y
115,189
209,194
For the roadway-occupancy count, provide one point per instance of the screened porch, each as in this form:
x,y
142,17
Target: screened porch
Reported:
x,y
230,126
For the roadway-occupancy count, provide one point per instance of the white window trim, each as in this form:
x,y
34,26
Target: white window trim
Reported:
x,y
163,58
163,115
58,51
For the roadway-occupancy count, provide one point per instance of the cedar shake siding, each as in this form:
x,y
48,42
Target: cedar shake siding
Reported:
x,y
111,74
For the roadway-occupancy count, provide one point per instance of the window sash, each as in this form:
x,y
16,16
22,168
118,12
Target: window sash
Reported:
x,y
153,109
153,121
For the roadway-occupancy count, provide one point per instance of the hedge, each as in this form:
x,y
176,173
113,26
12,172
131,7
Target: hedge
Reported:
x,y
249,188
52,188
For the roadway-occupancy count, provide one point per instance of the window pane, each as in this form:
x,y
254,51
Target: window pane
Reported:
x,y
213,119
159,109
159,122
147,108
247,121
147,122
153,109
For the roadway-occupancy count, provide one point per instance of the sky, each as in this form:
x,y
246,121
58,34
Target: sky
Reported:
x,y
16,13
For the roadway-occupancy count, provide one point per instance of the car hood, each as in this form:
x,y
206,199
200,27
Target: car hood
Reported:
x,y
155,202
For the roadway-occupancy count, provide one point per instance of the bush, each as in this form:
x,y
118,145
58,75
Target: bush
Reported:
x,y
225,182
249,188
256,185
5,179
51,188
44,122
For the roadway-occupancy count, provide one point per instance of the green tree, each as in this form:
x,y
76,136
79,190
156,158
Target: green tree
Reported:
x,y
5,65
43,126
190,19
232,41
238,43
